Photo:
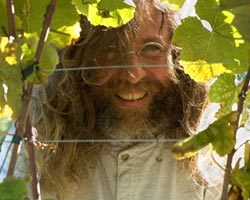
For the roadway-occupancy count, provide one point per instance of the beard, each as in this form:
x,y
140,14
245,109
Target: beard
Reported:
x,y
158,118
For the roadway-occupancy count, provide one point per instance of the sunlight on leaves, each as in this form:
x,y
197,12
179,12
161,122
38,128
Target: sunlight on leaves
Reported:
x,y
201,71
211,45
241,11
5,120
64,36
107,13
6,112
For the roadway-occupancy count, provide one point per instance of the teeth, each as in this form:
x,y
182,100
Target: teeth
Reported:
x,y
130,96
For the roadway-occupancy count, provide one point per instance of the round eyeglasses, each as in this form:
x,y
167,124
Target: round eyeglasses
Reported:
x,y
110,61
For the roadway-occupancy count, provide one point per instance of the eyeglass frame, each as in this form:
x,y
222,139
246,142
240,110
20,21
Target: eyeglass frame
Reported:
x,y
164,48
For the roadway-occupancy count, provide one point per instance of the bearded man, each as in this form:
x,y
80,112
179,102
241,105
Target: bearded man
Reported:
x,y
132,108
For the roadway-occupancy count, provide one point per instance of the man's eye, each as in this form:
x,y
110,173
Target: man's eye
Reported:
x,y
151,50
151,47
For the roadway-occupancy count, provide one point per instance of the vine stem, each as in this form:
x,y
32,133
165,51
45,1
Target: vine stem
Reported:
x,y
30,135
236,125
20,128
23,124
11,18
46,28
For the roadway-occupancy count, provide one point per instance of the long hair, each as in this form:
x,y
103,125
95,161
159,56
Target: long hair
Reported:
x,y
64,108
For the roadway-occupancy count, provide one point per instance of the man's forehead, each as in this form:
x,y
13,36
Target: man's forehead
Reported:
x,y
151,28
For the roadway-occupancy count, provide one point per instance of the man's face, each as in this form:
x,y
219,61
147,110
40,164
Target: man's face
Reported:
x,y
137,101
149,47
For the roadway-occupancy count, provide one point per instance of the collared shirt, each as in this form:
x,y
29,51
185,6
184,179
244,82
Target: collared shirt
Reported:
x,y
145,171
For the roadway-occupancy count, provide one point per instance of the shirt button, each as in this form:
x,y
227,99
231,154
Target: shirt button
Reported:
x,y
124,157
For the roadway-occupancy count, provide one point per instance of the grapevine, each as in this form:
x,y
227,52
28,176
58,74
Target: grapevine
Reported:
x,y
33,31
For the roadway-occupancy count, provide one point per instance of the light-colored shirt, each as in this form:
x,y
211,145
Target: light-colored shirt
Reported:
x,y
145,171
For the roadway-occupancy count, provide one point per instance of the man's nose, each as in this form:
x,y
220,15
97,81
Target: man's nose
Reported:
x,y
136,72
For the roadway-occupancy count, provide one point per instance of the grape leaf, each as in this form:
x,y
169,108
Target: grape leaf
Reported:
x,y
201,71
49,60
3,18
11,76
190,146
106,13
210,46
229,4
241,11
242,179
65,14
212,43
64,35
220,134
13,189
225,92
32,14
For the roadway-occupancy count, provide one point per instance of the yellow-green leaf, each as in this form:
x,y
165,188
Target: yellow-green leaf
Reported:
x,y
107,13
202,71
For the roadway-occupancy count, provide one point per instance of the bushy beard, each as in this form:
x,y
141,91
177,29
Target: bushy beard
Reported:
x,y
163,113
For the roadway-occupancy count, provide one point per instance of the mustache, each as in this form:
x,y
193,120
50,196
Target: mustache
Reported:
x,y
148,84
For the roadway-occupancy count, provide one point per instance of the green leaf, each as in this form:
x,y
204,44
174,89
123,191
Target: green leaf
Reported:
x,y
3,18
64,35
242,179
241,11
220,134
65,14
212,45
106,13
48,62
229,4
31,13
13,189
112,5
190,146
11,76
225,92
201,71
224,134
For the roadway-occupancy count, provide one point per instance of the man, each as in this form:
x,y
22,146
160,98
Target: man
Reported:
x,y
133,108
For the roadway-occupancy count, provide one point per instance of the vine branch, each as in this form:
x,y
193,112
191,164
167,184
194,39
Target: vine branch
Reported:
x,y
11,18
23,124
46,28
236,125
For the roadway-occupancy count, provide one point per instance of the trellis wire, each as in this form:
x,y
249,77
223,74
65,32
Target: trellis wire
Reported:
x,y
134,66
102,141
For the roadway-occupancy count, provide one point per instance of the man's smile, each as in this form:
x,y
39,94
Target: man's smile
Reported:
x,y
132,98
